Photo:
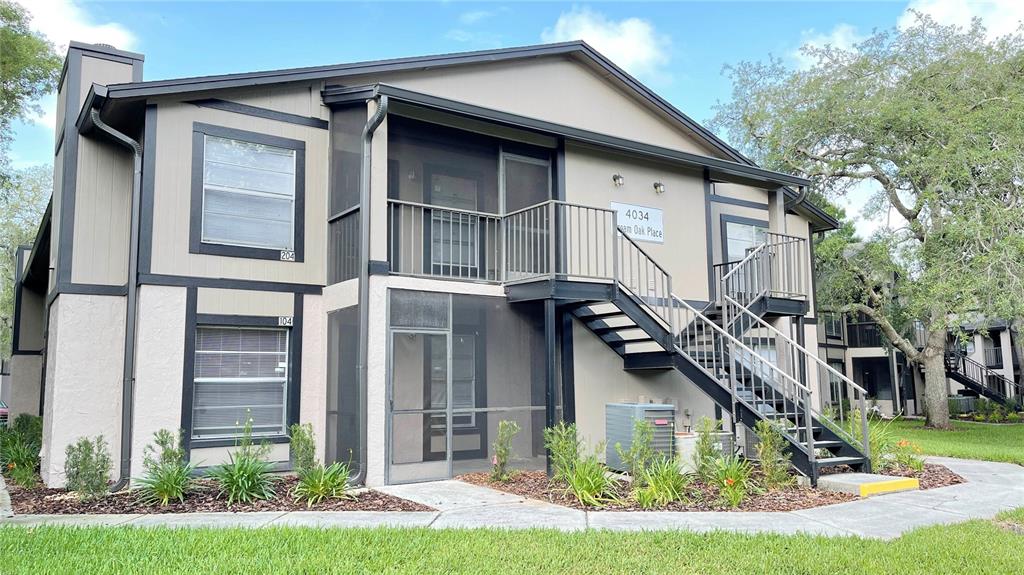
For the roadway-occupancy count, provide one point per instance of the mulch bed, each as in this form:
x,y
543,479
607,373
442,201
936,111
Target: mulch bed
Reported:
x,y
42,500
536,485
931,477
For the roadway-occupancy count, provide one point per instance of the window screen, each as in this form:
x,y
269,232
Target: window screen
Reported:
x,y
248,194
741,237
239,373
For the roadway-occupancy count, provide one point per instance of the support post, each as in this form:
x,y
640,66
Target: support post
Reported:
x,y
550,372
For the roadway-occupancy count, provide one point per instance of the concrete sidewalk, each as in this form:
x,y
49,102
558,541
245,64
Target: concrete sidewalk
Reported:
x,y
991,488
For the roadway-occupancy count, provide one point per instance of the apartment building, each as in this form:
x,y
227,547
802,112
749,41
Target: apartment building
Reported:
x,y
403,253
984,364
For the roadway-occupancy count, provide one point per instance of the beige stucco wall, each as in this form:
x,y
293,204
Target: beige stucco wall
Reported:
x,y
341,295
556,89
600,379
313,394
83,379
159,363
24,385
172,198
31,321
588,175
211,456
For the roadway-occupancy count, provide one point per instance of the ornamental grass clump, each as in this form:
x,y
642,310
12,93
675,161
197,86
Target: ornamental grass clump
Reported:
x,y
167,476
19,449
732,477
87,468
663,484
772,455
246,476
507,430
589,482
316,482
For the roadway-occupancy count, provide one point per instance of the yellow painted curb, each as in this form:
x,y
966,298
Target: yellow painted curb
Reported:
x,y
889,486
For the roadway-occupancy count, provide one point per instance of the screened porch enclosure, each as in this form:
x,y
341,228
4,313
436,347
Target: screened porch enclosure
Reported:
x,y
458,366
448,191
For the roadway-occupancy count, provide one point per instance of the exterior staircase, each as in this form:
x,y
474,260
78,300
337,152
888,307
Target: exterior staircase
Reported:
x,y
742,362
980,379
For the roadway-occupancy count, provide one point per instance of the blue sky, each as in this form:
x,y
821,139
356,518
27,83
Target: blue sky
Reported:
x,y
678,49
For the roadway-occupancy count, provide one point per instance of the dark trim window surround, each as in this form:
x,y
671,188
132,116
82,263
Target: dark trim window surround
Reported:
x,y
726,219
239,349
291,251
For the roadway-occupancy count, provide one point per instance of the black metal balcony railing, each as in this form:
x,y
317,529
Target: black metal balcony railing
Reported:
x,y
994,357
864,335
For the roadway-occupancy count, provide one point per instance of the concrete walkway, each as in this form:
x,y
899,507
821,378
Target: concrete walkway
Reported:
x,y
991,488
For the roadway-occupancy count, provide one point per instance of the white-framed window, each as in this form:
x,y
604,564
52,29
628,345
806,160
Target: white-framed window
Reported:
x,y
741,237
240,372
248,194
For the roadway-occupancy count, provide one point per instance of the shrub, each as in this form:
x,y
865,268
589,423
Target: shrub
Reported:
x,y
303,446
19,449
246,476
19,458
29,427
908,454
565,446
641,453
507,431
705,450
772,454
589,483
87,467
881,439
1013,417
166,474
316,482
319,483
732,477
979,417
663,483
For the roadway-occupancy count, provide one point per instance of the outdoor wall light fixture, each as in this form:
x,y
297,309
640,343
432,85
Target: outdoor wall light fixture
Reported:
x,y
659,188
618,180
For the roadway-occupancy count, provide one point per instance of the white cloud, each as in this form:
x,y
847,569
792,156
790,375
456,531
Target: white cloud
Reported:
x,y
1000,17
843,36
64,20
632,43
470,18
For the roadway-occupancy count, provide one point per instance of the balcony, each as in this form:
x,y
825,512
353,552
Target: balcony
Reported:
x,y
994,357
865,335
438,242
778,269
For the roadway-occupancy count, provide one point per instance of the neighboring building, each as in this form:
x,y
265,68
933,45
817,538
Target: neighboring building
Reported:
x,y
984,365
403,253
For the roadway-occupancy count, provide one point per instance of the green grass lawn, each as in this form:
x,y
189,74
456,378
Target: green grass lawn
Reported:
x,y
975,547
967,440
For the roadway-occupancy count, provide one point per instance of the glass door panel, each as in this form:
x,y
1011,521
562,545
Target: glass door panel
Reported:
x,y
420,420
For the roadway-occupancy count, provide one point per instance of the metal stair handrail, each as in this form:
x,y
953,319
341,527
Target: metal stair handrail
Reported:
x,y
804,355
971,365
780,382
